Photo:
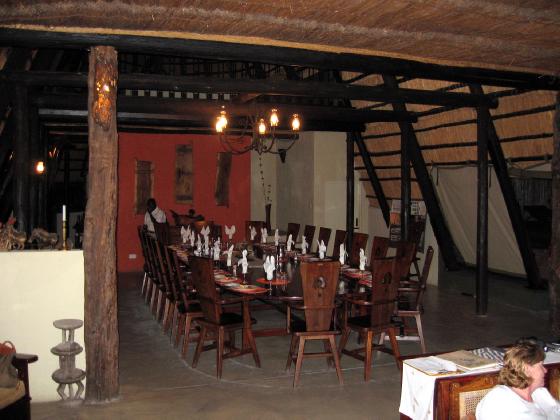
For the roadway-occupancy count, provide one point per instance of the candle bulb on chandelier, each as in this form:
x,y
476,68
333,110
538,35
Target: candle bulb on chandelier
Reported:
x,y
274,121
262,127
295,123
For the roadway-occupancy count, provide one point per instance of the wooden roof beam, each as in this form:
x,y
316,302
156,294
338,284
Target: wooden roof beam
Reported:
x,y
279,55
315,89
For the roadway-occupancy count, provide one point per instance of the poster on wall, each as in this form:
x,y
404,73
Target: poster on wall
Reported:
x,y
183,174
223,170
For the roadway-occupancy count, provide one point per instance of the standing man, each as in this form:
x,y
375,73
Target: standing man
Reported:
x,y
154,214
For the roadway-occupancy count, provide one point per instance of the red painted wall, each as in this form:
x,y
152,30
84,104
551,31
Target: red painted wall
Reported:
x,y
160,149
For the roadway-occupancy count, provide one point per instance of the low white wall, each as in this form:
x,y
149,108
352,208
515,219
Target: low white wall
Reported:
x,y
39,287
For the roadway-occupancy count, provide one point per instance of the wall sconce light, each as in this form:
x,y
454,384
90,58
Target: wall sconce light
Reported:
x,y
40,167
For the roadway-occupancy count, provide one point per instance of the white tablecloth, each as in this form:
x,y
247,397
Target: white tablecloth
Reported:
x,y
417,390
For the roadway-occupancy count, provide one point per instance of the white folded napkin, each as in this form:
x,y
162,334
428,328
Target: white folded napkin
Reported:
x,y
363,259
304,245
253,232
192,238
342,254
269,266
229,254
264,234
217,250
276,237
184,235
289,243
243,262
322,248
230,231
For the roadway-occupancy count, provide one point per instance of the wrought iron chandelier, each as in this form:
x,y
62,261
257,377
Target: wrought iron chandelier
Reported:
x,y
264,134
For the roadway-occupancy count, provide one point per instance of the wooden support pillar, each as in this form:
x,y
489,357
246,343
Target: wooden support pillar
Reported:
x,y
447,247
349,189
554,282
405,188
67,176
372,175
34,178
22,165
482,214
101,327
512,205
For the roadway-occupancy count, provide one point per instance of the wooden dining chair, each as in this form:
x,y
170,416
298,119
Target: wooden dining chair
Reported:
x,y
309,233
158,289
359,241
406,250
148,274
167,298
325,236
293,229
381,307
410,302
258,225
187,307
339,238
319,283
215,323
201,224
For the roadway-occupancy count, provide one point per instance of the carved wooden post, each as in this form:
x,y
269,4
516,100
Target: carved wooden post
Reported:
x,y
101,329
554,285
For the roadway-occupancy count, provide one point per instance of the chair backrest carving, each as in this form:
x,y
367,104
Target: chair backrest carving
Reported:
x,y
339,238
324,235
203,281
359,241
379,247
319,283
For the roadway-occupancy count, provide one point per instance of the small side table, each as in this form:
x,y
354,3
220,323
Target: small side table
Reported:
x,y
67,350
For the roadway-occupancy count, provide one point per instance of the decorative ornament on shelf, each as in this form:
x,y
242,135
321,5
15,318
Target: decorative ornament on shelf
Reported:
x,y
263,135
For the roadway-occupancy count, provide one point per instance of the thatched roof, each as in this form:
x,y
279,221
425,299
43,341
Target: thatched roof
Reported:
x,y
503,34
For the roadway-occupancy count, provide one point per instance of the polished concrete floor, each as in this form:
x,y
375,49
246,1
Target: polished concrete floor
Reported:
x,y
157,384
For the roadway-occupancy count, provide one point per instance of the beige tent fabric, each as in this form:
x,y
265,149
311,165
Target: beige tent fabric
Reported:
x,y
456,190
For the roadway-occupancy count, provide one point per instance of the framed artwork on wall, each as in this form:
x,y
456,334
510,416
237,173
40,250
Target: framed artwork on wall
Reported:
x,y
183,174
144,180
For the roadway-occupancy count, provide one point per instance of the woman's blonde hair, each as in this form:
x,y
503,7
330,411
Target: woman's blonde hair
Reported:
x,y
513,372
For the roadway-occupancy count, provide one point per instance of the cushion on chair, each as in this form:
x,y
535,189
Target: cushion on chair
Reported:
x,y
11,395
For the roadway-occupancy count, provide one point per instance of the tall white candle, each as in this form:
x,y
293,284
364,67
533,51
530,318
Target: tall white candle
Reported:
x,y
64,213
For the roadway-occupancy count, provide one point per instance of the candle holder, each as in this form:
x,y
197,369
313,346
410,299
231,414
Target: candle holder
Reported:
x,y
65,235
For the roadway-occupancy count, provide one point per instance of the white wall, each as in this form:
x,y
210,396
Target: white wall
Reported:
x,y
39,287
295,184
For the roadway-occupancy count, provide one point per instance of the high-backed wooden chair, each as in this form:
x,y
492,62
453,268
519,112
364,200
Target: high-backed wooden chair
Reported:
x,y
325,236
216,232
15,402
215,323
148,274
379,320
407,251
164,311
258,225
156,297
410,302
187,309
339,238
309,233
200,224
359,241
319,283
293,229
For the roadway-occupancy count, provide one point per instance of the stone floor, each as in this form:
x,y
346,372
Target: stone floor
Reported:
x,y
157,384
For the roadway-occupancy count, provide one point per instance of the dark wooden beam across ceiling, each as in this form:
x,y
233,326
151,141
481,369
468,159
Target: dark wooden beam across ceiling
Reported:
x,y
278,55
315,89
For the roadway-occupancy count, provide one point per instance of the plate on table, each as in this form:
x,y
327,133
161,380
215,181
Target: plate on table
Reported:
x,y
247,288
219,276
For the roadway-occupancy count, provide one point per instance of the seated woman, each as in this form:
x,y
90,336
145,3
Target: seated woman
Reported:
x,y
521,394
